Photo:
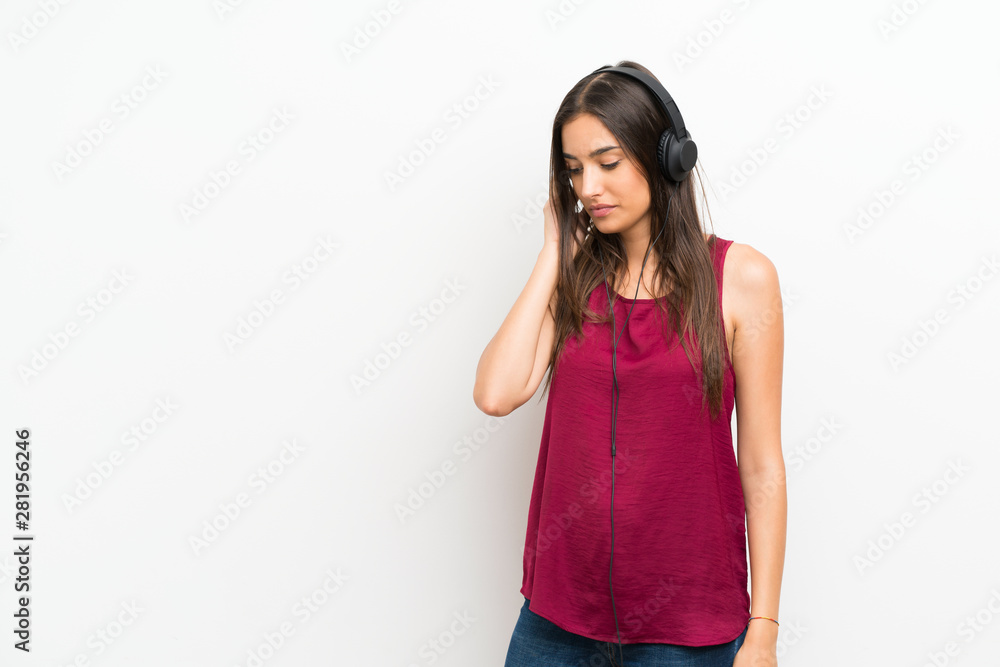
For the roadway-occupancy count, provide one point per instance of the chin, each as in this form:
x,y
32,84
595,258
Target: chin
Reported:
x,y
612,227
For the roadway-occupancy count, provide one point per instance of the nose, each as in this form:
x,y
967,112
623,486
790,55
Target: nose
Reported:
x,y
591,183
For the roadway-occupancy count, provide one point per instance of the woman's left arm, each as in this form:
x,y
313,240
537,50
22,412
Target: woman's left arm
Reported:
x,y
758,348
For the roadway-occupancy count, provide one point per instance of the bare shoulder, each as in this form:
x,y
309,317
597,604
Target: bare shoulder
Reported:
x,y
750,279
748,265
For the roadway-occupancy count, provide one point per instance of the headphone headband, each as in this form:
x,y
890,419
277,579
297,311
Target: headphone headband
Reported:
x,y
673,113
676,152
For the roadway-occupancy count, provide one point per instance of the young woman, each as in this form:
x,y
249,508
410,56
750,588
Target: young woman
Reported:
x,y
653,330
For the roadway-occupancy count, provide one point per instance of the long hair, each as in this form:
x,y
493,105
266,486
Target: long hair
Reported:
x,y
683,273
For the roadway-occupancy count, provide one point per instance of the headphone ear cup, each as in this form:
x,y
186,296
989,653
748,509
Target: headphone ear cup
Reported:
x,y
676,157
662,149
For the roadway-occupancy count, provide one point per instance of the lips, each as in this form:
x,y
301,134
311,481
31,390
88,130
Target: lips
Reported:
x,y
601,210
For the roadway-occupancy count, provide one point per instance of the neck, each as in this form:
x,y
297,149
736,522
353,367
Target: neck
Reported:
x,y
636,241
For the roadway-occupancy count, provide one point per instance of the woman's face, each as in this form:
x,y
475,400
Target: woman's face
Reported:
x,y
602,174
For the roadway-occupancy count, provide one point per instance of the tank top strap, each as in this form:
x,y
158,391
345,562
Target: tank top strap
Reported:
x,y
718,248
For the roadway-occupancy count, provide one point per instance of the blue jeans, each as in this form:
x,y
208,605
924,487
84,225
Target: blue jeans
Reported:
x,y
538,642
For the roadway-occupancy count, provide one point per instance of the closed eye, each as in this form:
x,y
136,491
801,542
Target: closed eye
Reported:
x,y
609,167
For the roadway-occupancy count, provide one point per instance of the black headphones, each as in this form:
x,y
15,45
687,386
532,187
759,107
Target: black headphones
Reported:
x,y
676,152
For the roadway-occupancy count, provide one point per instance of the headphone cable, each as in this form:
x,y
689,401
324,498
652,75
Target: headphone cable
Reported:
x,y
615,394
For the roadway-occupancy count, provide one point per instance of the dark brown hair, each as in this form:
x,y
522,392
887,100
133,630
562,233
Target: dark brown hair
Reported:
x,y
683,259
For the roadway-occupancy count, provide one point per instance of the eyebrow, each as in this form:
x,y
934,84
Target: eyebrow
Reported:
x,y
599,151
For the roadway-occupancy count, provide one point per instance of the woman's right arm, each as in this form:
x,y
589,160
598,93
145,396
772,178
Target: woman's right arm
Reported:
x,y
516,359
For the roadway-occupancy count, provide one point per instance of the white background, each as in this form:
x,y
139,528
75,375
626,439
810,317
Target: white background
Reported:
x,y
458,237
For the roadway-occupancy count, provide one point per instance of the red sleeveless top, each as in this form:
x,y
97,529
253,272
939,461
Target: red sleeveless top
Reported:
x,y
680,559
